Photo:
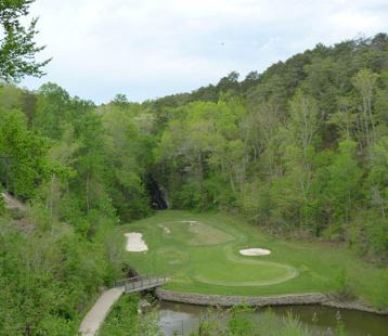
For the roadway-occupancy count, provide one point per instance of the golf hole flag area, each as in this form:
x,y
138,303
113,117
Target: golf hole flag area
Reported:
x,y
220,254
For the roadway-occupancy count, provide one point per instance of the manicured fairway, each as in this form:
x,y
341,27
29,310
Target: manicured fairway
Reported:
x,y
200,252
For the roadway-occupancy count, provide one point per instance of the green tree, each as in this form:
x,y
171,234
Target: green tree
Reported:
x,y
343,185
17,45
128,152
291,192
52,110
365,82
25,154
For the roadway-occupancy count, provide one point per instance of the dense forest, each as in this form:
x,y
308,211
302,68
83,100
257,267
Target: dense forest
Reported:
x,y
300,149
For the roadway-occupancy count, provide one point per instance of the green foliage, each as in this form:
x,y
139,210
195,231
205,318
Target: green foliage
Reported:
x,y
52,110
49,275
54,154
17,45
300,148
23,166
128,153
124,318
238,324
202,144
344,286
241,324
293,327
342,188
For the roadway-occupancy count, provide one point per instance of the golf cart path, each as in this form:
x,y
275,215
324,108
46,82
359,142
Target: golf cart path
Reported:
x,y
96,316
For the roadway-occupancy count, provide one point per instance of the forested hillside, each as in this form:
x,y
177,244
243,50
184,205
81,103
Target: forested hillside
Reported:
x,y
300,149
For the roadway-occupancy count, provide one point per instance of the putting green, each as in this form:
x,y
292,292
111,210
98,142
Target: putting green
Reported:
x,y
261,273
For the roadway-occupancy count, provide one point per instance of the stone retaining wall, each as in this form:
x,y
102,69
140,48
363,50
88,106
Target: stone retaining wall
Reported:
x,y
353,306
262,301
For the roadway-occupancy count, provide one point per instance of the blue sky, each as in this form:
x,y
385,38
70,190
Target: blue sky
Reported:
x,y
151,48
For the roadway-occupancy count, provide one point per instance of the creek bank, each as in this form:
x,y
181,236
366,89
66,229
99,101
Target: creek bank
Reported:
x,y
264,301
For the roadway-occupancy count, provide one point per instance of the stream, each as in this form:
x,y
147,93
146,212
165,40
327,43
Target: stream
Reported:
x,y
184,319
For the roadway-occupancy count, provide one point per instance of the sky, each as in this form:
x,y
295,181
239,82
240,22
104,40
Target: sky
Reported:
x,y
147,49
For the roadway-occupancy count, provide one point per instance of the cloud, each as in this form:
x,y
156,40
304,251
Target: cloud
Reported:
x,y
150,48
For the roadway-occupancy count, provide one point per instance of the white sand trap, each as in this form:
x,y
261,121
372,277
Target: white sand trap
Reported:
x,y
135,242
254,252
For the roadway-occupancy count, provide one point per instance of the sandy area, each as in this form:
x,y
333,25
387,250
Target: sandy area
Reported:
x,y
135,242
254,252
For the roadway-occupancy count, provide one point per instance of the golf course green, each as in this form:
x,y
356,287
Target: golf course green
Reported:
x,y
200,253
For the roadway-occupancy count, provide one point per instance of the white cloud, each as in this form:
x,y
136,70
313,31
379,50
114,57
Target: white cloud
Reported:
x,y
150,48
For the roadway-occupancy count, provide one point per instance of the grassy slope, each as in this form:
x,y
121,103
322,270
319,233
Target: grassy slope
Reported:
x,y
191,263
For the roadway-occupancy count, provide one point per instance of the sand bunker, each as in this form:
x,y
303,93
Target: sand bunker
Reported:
x,y
135,242
254,252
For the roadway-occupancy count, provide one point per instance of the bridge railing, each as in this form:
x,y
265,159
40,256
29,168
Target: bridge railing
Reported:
x,y
139,282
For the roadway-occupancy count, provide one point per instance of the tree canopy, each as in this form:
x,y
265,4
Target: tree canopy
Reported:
x,y
17,42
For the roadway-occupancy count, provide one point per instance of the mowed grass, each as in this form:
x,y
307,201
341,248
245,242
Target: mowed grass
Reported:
x,y
200,252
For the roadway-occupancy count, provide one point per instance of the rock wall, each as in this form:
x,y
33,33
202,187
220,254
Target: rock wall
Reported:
x,y
228,301
263,301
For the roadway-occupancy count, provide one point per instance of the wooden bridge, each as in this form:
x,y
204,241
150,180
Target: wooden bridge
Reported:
x,y
96,316
141,283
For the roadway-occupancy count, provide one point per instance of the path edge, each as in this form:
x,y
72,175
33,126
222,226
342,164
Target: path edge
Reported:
x,y
95,317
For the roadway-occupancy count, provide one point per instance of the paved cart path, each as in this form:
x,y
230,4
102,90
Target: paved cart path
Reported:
x,y
96,316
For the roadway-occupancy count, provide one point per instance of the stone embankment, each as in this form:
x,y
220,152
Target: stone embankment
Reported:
x,y
263,301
